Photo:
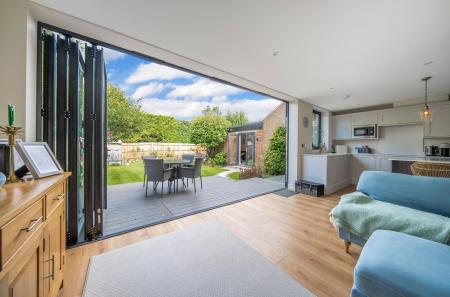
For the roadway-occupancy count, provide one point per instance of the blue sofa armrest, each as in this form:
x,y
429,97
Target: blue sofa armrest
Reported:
x,y
430,194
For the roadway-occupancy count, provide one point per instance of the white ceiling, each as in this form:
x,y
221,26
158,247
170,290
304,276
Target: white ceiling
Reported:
x,y
374,50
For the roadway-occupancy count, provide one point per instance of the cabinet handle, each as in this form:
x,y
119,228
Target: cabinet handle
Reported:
x,y
59,197
52,275
33,223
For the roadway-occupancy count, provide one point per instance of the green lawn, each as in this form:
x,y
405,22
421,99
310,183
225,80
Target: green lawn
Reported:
x,y
235,175
135,173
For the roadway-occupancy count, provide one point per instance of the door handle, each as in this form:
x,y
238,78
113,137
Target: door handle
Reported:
x,y
99,216
52,275
33,223
59,197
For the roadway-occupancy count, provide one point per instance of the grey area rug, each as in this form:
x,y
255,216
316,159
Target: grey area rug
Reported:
x,y
205,260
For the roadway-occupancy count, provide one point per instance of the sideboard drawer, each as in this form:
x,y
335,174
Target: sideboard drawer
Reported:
x,y
16,232
53,199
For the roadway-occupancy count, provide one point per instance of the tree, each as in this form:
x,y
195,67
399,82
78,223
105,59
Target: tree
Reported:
x,y
209,131
213,110
237,118
129,123
275,156
184,131
124,121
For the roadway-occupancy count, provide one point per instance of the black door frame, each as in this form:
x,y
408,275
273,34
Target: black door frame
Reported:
x,y
39,88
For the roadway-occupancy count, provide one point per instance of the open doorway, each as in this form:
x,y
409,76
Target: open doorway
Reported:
x,y
123,114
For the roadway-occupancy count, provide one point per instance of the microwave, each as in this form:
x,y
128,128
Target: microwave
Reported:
x,y
366,131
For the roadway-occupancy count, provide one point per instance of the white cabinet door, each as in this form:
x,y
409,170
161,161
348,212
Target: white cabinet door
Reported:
x,y
365,118
384,164
440,124
342,127
361,163
399,116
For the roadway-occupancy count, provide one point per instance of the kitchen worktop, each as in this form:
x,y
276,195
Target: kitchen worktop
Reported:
x,y
421,159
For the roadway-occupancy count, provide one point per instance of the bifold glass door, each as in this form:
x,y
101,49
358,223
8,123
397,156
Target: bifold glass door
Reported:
x,y
73,104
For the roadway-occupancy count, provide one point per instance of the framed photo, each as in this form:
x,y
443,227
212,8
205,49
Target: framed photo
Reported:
x,y
38,158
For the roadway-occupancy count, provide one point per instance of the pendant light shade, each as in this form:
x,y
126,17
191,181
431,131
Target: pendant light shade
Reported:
x,y
426,113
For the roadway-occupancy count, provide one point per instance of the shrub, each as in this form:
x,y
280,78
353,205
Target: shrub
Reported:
x,y
219,159
249,172
275,157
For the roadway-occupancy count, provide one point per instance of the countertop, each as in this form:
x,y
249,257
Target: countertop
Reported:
x,y
421,159
392,157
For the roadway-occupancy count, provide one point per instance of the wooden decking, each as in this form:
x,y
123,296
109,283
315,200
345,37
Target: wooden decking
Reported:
x,y
128,207
293,233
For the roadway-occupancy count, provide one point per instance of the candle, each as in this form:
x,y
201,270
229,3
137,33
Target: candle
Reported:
x,y
11,115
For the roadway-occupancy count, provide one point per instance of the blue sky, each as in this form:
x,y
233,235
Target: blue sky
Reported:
x,y
168,91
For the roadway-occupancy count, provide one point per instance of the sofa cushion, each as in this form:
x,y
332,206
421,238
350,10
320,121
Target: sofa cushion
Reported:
x,y
430,194
394,264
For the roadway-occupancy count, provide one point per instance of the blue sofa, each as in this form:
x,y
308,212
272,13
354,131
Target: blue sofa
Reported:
x,y
394,264
423,193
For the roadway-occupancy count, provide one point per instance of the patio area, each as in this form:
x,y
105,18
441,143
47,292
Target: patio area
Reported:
x,y
128,207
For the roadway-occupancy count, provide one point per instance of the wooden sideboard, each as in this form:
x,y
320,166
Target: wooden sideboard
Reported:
x,y
33,237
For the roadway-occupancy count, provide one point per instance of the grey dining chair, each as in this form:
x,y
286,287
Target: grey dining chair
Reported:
x,y
189,157
193,172
156,173
145,174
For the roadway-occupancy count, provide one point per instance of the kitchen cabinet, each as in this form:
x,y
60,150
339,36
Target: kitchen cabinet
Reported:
x,y
399,116
360,163
365,118
342,127
440,124
32,237
384,163
331,170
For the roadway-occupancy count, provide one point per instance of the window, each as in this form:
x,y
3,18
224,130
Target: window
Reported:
x,y
316,126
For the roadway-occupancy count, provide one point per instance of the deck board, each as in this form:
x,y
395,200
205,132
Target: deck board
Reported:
x,y
128,208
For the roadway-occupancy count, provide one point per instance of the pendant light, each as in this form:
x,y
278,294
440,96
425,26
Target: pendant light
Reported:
x,y
426,114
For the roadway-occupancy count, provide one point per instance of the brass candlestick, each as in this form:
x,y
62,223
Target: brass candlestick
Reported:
x,y
11,131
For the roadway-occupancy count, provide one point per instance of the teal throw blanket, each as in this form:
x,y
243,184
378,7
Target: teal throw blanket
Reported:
x,y
362,215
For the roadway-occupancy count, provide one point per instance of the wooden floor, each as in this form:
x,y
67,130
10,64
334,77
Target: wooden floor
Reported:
x,y
294,233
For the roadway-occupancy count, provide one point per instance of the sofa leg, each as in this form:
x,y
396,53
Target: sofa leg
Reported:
x,y
347,246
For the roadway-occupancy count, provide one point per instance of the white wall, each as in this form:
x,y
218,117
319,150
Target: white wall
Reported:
x,y
18,65
300,138
13,28
404,140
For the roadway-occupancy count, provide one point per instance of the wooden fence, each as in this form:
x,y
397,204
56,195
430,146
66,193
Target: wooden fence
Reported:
x,y
131,152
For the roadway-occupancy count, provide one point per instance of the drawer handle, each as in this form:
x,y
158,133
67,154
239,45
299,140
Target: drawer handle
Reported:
x,y
53,267
33,223
59,197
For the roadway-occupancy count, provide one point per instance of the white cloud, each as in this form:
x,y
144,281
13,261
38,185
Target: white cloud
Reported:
x,y
150,89
256,110
151,71
203,88
111,55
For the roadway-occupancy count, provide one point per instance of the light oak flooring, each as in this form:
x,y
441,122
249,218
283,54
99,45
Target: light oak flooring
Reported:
x,y
294,233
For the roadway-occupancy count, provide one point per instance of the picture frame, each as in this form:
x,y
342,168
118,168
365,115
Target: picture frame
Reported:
x,y
39,159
